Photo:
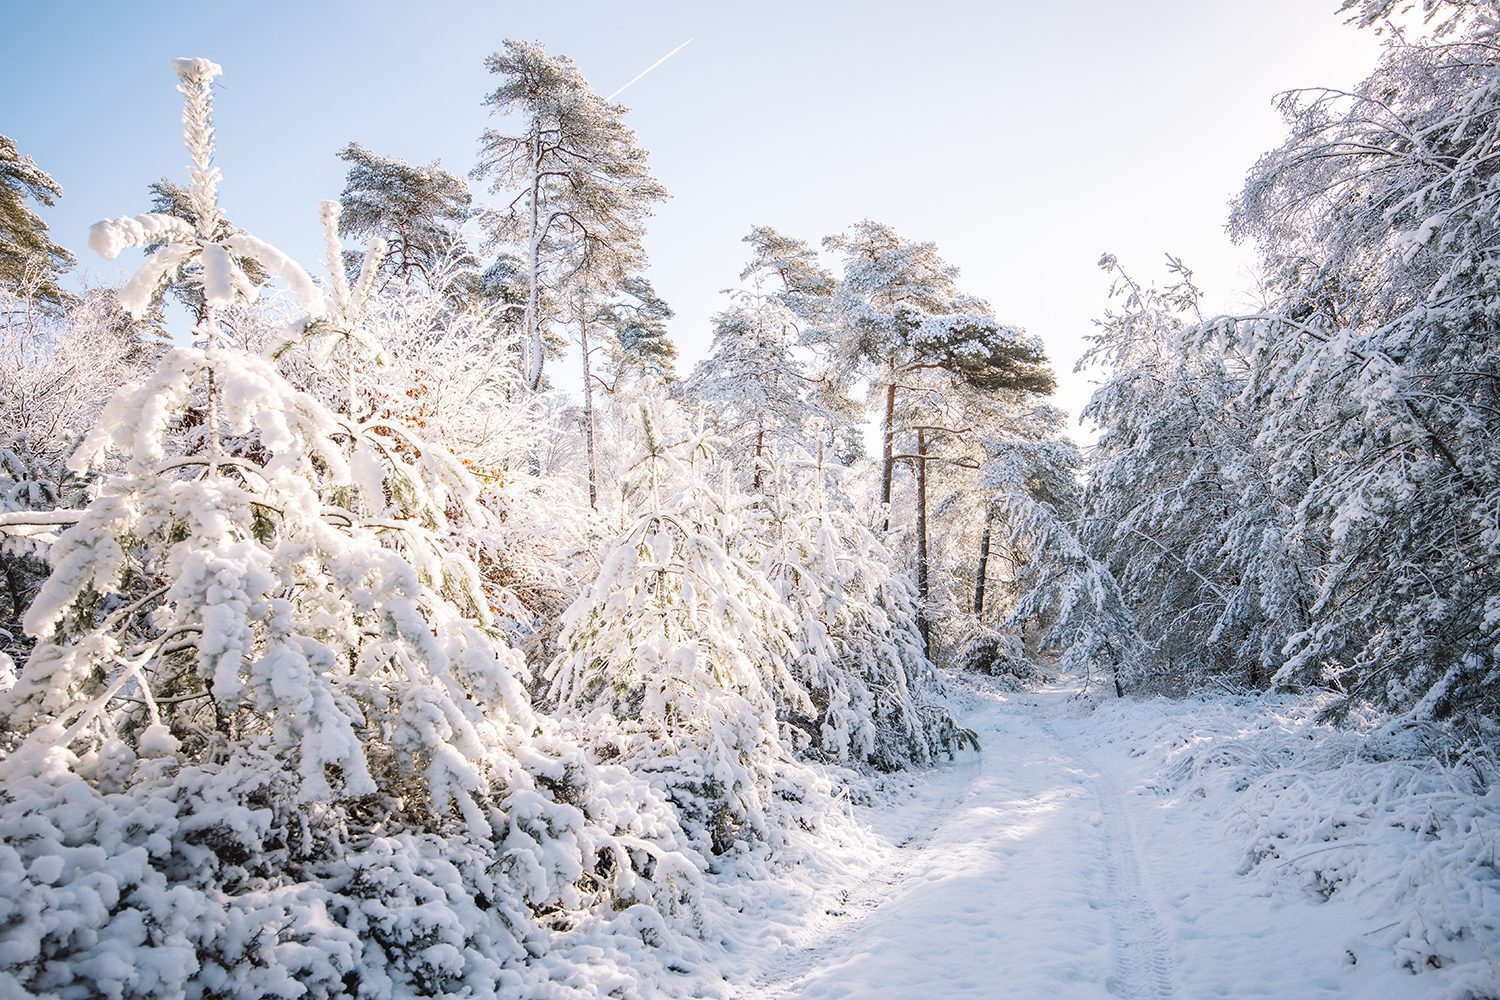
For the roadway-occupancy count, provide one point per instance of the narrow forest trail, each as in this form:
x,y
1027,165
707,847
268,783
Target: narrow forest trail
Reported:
x,y
1047,867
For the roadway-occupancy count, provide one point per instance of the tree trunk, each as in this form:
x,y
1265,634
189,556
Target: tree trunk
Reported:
x,y
760,443
533,332
588,406
13,584
210,328
984,563
887,466
923,625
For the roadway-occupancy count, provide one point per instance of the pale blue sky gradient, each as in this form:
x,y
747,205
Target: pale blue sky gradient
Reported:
x,y
1023,138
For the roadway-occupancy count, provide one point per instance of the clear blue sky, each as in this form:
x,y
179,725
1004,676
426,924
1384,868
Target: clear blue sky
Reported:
x,y
1025,138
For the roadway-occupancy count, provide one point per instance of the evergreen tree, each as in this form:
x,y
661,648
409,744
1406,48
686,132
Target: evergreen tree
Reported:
x,y
30,263
903,324
171,200
902,318
630,329
757,377
858,640
584,189
680,654
637,318
416,210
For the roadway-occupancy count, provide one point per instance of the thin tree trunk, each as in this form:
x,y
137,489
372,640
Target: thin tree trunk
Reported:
x,y
984,563
760,444
1115,672
209,324
533,333
887,466
13,583
588,405
922,579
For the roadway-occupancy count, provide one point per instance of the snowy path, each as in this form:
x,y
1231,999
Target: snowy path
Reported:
x,y
1046,868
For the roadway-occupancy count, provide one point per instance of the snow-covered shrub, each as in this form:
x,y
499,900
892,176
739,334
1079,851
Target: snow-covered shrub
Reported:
x,y
440,365
1396,816
137,876
1001,655
57,367
680,654
859,653
270,741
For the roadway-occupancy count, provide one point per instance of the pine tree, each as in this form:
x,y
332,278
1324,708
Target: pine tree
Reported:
x,y
416,210
757,377
584,189
902,317
860,651
629,328
903,324
30,263
680,654
637,318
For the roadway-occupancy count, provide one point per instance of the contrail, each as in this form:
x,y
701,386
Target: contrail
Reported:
x,y
648,69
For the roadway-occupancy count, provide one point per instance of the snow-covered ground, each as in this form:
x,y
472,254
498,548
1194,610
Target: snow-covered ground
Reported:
x,y
1084,853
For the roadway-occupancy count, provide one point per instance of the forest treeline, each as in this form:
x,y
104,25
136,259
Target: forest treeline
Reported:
x,y
348,649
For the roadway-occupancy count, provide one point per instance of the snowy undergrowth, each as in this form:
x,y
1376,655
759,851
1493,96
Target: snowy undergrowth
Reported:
x,y
199,880
1377,818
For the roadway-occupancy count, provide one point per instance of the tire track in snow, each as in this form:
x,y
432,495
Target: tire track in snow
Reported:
x,y
1144,968
1143,964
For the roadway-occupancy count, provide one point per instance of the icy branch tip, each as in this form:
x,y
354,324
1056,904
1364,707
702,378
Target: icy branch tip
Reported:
x,y
330,210
198,68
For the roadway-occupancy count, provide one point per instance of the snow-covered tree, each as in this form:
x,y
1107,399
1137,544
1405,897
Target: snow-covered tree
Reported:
x,y
1086,617
1165,478
626,323
637,317
757,379
859,649
168,198
680,654
1377,359
30,263
270,698
416,209
904,325
53,366
581,186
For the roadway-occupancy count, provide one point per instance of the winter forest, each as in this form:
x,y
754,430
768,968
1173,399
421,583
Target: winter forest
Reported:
x,y
415,621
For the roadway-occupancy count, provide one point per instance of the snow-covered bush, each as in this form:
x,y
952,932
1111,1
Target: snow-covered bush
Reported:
x,y
57,367
1396,816
270,741
859,653
679,656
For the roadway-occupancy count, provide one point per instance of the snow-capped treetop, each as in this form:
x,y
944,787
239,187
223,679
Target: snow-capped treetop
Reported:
x,y
580,184
201,243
